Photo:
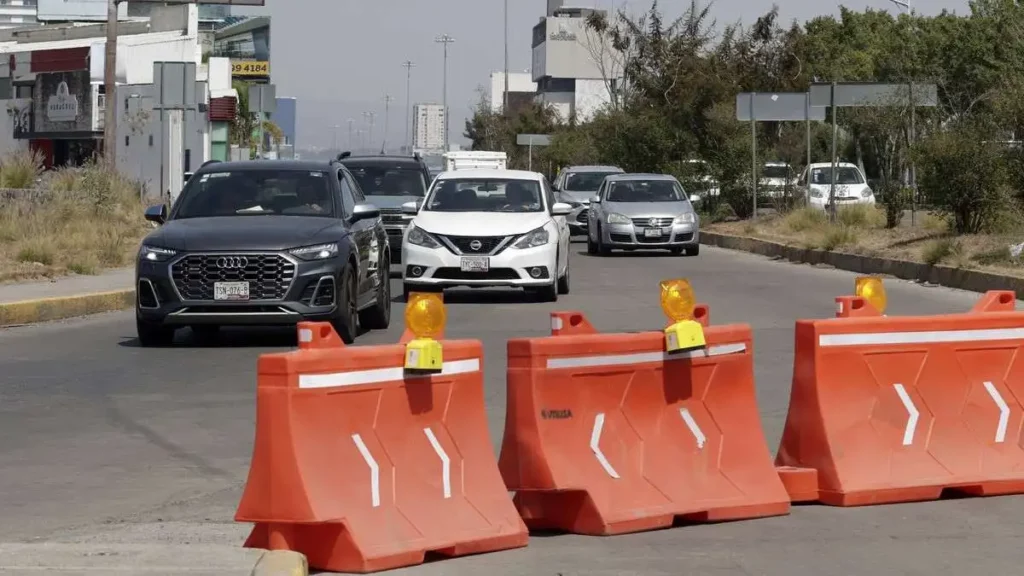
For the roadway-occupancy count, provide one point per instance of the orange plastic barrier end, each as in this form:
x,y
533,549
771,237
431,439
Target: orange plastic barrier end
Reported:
x,y
801,483
570,323
317,335
855,307
996,301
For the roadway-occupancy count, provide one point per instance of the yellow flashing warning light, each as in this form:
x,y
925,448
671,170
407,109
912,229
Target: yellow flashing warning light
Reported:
x,y
425,318
872,289
678,302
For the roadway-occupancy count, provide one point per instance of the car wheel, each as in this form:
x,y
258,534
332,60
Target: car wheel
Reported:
x,y
548,293
153,335
601,248
693,251
346,317
591,245
563,282
378,317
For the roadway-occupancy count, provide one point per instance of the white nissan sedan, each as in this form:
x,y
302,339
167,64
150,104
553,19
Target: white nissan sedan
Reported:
x,y
483,228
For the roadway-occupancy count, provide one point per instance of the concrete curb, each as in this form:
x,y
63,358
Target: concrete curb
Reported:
x,y
59,308
972,280
281,563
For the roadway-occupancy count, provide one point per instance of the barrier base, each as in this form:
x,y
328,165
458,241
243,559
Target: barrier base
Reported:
x,y
329,546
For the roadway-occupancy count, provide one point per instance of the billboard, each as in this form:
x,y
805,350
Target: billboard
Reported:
x,y
62,103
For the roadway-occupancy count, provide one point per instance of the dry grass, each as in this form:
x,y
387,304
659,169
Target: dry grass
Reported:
x,y
80,220
861,230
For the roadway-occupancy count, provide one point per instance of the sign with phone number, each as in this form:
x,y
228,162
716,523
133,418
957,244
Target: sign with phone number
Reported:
x,y
250,68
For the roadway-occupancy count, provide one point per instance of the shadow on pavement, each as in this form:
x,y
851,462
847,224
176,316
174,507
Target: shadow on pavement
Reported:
x,y
635,254
229,337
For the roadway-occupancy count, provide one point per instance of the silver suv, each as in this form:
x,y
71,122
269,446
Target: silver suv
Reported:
x,y
576,185
643,211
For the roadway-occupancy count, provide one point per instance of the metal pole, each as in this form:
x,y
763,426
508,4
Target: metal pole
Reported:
x,y
753,152
530,155
350,141
408,100
334,148
259,122
505,98
163,151
445,40
807,113
387,123
835,137
913,168
110,88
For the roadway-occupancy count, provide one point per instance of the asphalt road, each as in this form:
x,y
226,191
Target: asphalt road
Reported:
x,y
104,442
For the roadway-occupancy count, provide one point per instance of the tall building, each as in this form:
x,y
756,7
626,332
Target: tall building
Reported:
x,y
521,90
428,127
16,13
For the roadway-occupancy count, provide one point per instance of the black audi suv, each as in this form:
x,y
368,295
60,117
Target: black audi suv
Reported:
x,y
264,243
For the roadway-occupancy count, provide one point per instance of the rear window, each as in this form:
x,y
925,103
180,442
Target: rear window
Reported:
x,y
382,179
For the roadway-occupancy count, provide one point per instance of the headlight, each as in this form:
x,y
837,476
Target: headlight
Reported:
x,y
618,219
154,254
418,237
688,218
866,193
318,252
534,238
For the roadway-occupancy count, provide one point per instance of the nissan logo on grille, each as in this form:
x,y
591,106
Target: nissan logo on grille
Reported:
x,y
232,262
475,245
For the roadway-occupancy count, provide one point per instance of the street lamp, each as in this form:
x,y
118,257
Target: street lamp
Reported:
x,y
350,141
505,96
387,122
370,117
408,64
445,40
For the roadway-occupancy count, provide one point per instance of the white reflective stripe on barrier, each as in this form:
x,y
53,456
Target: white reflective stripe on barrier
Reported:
x,y
446,463
920,337
556,323
698,434
381,375
643,357
912,414
374,469
595,441
1004,411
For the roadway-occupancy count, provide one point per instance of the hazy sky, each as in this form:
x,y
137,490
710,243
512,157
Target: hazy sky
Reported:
x,y
340,57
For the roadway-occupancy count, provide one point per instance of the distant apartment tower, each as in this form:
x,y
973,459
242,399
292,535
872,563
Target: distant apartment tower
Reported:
x,y
428,127
17,13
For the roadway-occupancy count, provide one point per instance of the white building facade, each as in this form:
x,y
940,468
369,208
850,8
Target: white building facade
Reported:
x,y
520,87
428,127
14,13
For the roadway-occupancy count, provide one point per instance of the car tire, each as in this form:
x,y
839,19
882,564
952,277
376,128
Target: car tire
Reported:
x,y
693,251
591,245
548,293
346,318
601,248
378,317
153,335
563,282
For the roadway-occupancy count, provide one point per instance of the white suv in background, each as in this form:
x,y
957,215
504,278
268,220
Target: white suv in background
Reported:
x,y
483,228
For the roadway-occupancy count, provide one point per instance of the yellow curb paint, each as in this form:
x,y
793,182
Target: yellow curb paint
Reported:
x,y
48,309
281,563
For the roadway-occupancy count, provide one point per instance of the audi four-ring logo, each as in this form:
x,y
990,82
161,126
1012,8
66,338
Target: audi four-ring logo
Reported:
x,y
232,262
476,245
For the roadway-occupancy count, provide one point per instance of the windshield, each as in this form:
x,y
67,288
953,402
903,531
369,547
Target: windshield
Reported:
x,y
645,191
779,172
584,181
389,180
844,175
485,195
255,193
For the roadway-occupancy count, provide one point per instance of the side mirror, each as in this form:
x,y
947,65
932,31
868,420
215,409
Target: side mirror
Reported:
x,y
365,211
560,209
157,213
596,199
411,208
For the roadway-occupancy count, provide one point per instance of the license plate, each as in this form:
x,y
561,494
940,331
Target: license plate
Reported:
x,y
476,264
652,233
231,291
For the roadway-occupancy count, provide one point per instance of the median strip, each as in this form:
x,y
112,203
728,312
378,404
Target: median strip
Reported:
x,y
63,307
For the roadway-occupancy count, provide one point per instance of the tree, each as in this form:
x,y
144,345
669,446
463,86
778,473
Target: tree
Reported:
x,y
244,130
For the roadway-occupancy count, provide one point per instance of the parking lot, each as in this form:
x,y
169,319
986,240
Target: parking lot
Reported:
x,y
105,441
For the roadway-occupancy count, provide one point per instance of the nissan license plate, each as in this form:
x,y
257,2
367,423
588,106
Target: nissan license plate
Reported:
x,y
652,233
231,291
476,263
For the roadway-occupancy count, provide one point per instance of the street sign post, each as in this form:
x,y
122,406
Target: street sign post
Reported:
x,y
836,95
757,107
174,88
531,140
262,100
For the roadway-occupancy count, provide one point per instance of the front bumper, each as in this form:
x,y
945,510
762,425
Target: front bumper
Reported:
x,y
631,236
309,295
841,201
439,267
577,219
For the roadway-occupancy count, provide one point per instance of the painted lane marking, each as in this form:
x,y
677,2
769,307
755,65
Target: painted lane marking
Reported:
x,y
381,375
643,357
912,414
446,463
921,337
698,434
1004,411
374,469
595,439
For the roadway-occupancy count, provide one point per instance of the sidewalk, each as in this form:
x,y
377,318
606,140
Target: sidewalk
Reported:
x,y
67,297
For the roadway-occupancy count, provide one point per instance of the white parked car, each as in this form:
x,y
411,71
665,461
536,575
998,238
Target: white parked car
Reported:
x,y
483,228
851,185
776,179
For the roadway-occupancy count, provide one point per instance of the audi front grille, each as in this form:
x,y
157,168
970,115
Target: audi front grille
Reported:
x,y
470,245
269,275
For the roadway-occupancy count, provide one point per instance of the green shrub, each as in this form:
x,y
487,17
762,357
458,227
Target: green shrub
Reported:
x,y
943,248
896,199
860,216
838,236
804,219
21,169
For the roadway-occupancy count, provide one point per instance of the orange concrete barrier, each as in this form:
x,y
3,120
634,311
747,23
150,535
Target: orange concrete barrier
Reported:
x,y
607,434
362,467
898,409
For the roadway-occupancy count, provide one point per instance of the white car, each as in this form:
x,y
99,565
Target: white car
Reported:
x,y
482,228
851,185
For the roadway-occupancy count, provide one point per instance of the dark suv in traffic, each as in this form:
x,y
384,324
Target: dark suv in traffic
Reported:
x,y
390,181
264,243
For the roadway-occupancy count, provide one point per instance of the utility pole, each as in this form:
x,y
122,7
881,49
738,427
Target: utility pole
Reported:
x,y
350,141
408,64
110,88
370,118
335,147
388,98
504,106
445,40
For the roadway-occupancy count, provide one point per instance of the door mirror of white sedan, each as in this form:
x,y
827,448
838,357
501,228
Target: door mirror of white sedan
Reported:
x,y
560,209
410,208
